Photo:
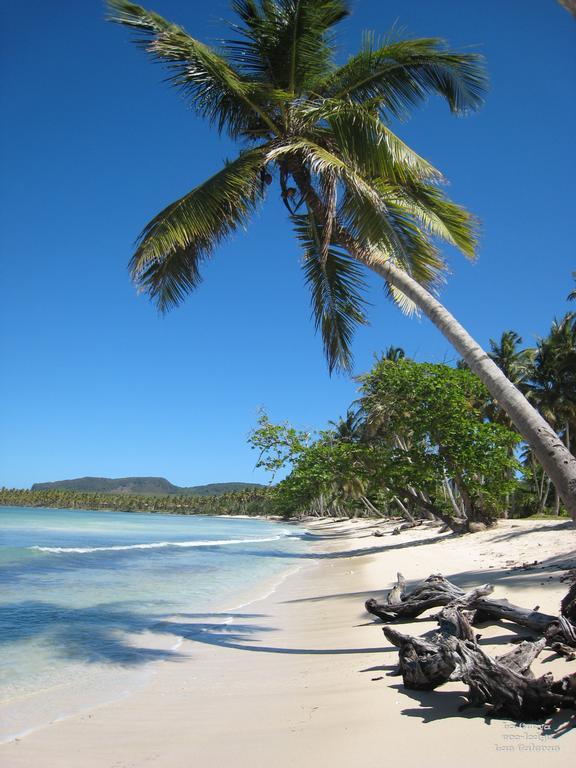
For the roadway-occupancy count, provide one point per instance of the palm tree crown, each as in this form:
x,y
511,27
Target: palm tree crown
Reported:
x,y
323,131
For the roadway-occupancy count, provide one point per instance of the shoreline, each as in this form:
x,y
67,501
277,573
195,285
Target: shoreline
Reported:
x,y
302,677
35,710
248,597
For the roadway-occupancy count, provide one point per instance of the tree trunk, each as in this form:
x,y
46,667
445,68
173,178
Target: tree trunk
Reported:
x,y
558,462
403,509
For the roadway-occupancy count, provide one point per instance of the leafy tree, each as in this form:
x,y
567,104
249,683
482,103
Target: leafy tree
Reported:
x,y
432,416
278,444
428,448
357,196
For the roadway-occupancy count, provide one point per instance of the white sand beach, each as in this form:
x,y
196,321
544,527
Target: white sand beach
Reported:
x,y
301,677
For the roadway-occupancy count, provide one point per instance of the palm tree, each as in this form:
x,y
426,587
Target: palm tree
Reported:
x,y
393,354
515,364
553,378
552,386
350,428
572,294
357,196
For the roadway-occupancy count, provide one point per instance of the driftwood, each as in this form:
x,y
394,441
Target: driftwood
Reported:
x,y
436,591
406,526
505,682
568,605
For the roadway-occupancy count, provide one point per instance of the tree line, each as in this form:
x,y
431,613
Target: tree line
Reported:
x,y
252,501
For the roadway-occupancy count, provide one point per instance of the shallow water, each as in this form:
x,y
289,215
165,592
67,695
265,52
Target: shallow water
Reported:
x,y
85,597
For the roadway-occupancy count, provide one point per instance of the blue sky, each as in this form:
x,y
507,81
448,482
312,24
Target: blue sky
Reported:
x,y
93,144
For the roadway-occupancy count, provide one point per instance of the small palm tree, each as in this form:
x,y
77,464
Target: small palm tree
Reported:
x,y
393,354
357,196
350,428
553,380
515,363
572,294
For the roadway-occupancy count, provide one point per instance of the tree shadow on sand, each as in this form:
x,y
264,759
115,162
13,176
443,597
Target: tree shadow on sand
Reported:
x,y
108,633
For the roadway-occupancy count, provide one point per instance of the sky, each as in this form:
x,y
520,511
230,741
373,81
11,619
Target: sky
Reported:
x,y
93,144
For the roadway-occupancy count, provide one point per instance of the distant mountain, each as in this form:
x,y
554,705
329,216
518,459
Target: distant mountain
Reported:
x,y
146,486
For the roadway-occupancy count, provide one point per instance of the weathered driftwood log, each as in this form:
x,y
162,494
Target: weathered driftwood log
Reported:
x,y
500,685
505,683
436,591
568,605
421,661
521,657
559,632
406,526
504,609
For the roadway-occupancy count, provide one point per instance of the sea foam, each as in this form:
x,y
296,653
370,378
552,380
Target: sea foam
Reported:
x,y
152,545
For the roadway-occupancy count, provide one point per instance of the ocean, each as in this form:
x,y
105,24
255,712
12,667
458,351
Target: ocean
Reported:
x,y
85,598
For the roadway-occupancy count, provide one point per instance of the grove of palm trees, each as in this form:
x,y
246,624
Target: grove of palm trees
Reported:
x,y
357,196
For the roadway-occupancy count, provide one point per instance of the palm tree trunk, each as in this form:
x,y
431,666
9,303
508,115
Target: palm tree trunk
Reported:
x,y
556,459
403,509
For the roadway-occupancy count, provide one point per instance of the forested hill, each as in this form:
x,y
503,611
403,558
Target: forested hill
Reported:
x,y
146,486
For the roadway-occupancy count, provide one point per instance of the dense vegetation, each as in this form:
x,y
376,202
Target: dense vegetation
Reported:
x,y
149,486
252,501
429,440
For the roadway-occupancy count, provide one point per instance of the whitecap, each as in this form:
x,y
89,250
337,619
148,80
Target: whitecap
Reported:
x,y
152,545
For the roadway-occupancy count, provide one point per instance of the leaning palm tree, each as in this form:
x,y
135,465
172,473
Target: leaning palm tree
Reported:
x,y
357,196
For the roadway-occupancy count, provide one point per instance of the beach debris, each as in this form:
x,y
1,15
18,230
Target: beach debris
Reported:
x,y
452,653
474,527
406,526
434,592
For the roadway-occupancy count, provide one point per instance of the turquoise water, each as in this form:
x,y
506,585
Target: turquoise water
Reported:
x,y
85,598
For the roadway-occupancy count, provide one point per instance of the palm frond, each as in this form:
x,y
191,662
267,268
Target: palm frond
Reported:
x,y
215,89
400,75
361,137
392,231
288,42
171,247
336,284
437,215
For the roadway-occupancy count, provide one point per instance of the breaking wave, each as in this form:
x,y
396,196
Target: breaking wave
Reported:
x,y
152,545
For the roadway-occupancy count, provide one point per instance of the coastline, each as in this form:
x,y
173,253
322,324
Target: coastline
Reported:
x,y
78,690
301,677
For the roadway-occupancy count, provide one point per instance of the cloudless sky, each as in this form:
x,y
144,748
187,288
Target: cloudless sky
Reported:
x,y
93,144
